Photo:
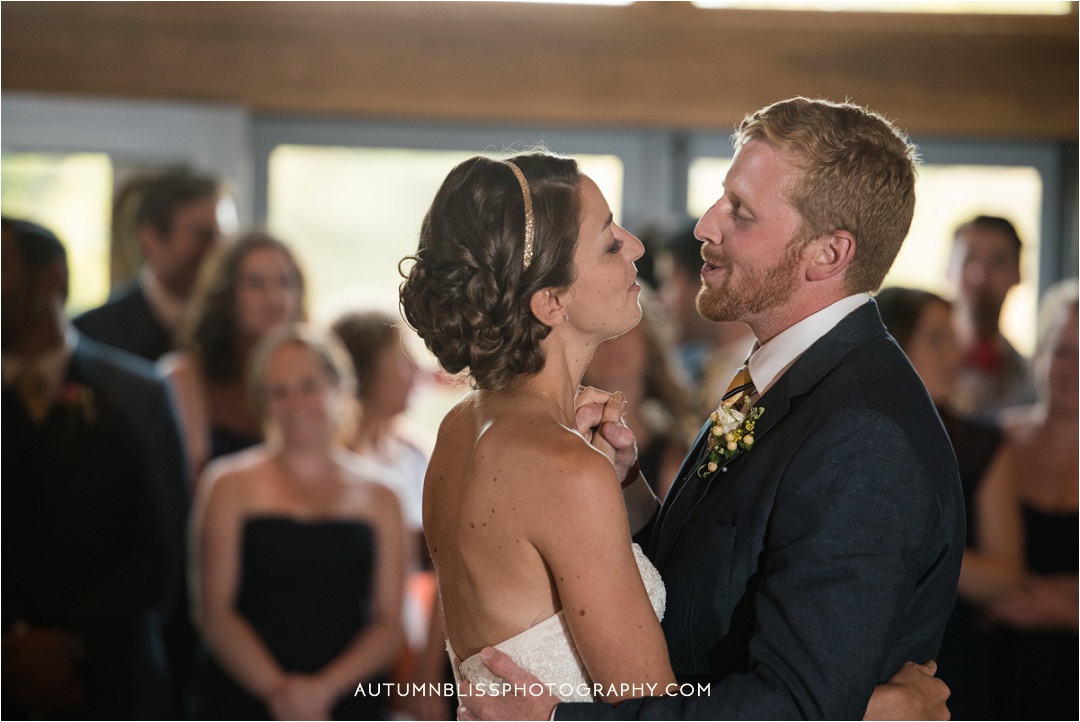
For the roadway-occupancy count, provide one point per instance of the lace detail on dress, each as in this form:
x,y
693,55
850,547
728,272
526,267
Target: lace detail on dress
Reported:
x,y
547,650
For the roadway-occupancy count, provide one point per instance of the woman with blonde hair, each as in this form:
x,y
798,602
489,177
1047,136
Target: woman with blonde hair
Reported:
x,y
1034,646
298,560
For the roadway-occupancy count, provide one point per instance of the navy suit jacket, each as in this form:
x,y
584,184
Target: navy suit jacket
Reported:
x,y
95,501
127,322
146,403
809,568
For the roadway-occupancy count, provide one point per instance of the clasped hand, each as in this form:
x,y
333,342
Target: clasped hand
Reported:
x,y
39,670
301,697
599,420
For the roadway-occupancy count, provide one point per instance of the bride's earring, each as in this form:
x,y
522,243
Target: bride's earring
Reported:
x,y
565,317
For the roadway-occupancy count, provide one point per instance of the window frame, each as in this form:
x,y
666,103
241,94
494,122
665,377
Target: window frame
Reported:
x,y
646,195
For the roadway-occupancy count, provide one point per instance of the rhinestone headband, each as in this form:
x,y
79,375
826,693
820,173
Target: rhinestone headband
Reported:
x,y
530,226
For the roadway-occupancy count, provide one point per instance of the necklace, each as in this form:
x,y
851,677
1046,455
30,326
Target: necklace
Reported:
x,y
572,422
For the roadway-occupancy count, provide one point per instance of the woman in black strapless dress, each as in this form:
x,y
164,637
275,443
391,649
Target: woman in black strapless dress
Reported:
x,y
299,561
1034,645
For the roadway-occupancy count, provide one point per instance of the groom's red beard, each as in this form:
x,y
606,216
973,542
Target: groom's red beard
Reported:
x,y
744,298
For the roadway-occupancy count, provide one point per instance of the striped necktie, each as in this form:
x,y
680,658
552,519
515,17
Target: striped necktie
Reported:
x,y
741,384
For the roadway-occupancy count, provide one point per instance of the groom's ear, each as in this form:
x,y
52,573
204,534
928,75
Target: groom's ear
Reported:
x,y
547,307
830,256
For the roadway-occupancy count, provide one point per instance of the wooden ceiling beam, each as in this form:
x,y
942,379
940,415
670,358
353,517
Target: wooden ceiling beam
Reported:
x,y
647,64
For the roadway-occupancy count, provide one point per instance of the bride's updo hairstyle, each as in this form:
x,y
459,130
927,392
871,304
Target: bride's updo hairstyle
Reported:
x,y
467,293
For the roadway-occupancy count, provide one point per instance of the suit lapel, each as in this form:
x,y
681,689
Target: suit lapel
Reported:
x,y
691,488
677,504
809,369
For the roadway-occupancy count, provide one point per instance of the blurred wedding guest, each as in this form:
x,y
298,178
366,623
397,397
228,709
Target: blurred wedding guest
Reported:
x,y
176,226
93,489
658,409
247,290
393,451
299,559
709,353
983,268
1035,649
922,323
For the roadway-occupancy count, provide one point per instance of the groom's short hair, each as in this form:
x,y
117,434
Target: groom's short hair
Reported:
x,y
858,176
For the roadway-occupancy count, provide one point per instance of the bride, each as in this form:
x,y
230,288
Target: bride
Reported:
x,y
520,273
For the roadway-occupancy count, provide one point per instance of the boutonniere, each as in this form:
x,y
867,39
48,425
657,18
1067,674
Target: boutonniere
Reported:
x,y
78,397
731,429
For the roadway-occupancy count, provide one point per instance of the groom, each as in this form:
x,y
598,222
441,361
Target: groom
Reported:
x,y
811,563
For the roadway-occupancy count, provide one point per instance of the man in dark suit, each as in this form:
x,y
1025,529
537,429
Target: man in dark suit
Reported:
x,y
176,226
94,505
807,556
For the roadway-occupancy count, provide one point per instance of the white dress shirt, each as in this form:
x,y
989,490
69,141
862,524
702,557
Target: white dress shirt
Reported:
x,y
168,308
776,356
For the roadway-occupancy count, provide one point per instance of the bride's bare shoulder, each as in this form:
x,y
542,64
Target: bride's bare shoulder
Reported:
x,y
460,416
519,439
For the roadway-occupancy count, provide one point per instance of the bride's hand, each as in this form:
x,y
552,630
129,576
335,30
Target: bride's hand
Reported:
x,y
599,420
525,696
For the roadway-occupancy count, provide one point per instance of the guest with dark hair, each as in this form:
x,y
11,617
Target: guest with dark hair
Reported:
x,y
176,225
252,287
658,409
394,452
984,267
94,505
299,559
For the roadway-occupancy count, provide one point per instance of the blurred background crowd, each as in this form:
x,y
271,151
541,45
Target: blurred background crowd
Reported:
x,y
216,426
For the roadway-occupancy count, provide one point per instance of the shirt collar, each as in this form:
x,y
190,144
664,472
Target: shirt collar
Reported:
x,y
774,357
166,305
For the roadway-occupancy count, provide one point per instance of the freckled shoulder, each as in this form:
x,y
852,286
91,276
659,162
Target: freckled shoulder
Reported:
x,y
557,462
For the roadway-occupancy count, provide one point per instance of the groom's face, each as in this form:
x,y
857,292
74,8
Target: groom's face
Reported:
x,y
751,264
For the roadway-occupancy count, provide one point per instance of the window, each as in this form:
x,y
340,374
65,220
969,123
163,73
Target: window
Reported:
x,y
70,194
352,214
948,195
64,157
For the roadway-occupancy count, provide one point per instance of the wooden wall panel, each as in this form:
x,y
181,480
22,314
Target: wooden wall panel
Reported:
x,y
648,64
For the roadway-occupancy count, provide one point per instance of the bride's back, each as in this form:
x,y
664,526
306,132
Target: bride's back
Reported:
x,y
497,478
520,272
490,290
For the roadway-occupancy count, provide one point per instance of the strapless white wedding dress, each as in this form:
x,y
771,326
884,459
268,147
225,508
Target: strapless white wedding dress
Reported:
x,y
547,650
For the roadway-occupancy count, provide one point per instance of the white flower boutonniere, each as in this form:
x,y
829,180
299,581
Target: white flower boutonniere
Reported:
x,y
731,430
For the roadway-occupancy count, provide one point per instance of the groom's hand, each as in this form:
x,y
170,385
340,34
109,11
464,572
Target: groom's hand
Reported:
x,y
599,419
523,697
912,693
